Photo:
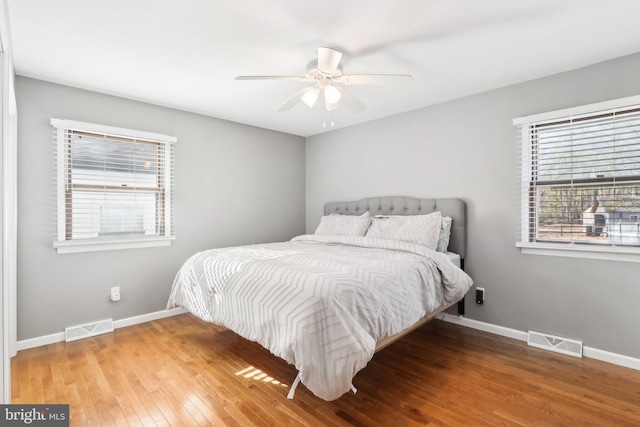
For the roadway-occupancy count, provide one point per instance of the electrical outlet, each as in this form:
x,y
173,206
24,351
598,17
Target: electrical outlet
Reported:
x,y
115,293
480,295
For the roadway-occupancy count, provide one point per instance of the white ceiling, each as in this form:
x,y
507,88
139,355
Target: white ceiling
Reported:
x,y
185,54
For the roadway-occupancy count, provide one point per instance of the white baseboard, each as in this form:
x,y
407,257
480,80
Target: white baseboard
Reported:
x,y
590,352
130,321
122,323
486,327
615,358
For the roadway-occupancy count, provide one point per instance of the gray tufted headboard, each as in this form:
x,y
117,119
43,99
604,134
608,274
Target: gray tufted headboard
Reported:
x,y
455,208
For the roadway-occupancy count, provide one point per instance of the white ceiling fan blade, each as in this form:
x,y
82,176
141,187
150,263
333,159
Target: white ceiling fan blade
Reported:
x,y
375,79
296,78
350,101
295,99
328,60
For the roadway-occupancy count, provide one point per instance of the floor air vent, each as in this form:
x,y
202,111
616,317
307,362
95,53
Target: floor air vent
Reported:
x,y
557,344
73,333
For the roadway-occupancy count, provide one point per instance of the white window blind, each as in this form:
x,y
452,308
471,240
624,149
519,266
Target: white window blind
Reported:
x,y
114,187
580,177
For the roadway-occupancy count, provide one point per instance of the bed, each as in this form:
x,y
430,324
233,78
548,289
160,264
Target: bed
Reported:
x,y
326,302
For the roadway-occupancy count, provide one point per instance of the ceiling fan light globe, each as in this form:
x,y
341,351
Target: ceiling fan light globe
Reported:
x,y
331,95
311,97
330,106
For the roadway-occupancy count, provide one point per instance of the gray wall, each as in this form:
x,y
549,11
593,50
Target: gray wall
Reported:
x,y
235,184
467,149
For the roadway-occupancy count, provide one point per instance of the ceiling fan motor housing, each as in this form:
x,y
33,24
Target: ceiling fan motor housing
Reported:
x,y
314,73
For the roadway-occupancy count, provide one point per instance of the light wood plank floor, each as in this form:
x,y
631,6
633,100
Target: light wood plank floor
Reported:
x,y
180,371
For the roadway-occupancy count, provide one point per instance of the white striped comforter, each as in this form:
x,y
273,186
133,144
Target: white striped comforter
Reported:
x,y
319,302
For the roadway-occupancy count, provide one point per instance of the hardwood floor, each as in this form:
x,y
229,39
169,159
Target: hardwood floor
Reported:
x,y
180,371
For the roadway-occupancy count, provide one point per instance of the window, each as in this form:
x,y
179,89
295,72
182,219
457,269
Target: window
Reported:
x,y
114,187
580,179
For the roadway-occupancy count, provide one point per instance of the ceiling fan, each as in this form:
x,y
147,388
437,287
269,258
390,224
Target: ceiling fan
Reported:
x,y
325,74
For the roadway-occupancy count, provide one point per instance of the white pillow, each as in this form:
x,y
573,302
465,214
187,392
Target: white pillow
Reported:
x,y
445,234
345,225
421,229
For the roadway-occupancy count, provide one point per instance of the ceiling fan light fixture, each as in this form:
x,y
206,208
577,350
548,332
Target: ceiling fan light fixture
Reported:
x,y
330,106
311,97
331,95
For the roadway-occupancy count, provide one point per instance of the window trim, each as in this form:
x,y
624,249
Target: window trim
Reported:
x,y
94,245
63,244
589,109
524,243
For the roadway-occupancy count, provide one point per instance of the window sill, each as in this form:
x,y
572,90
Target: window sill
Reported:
x,y
615,253
70,247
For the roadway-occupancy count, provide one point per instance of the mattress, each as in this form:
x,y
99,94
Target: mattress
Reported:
x,y
319,302
455,258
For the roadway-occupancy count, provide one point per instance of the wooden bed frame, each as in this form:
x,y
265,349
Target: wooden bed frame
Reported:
x,y
393,338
